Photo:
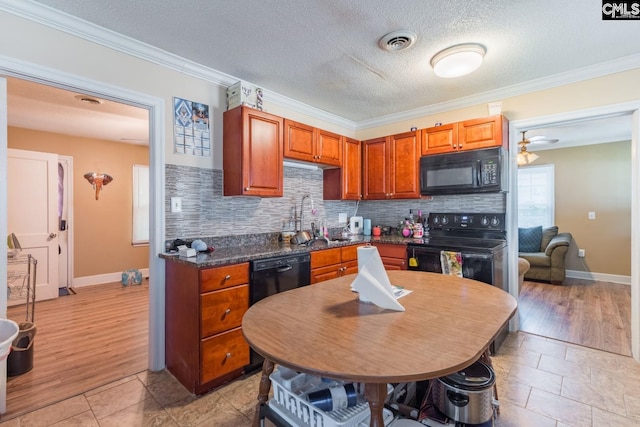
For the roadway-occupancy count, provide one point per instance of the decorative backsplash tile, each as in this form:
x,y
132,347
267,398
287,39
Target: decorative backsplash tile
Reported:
x,y
207,213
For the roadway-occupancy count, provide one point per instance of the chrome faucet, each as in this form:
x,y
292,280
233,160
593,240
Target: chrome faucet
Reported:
x,y
306,196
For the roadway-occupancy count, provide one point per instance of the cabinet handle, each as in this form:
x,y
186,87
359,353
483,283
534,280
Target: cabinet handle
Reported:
x,y
227,277
246,188
228,355
227,311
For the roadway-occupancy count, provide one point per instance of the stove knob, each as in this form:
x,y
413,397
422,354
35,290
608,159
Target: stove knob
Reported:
x,y
495,221
445,220
436,220
484,221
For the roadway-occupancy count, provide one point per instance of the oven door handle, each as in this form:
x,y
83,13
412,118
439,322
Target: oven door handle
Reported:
x,y
476,256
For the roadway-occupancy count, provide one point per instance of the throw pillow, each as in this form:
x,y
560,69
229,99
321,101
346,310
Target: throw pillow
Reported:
x,y
548,233
529,239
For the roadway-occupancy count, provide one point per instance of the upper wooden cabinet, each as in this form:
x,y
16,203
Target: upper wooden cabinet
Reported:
x,y
345,183
309,144
473,134
252,153
391,167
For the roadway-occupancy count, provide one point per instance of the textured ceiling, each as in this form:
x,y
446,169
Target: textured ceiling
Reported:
x,y
325,53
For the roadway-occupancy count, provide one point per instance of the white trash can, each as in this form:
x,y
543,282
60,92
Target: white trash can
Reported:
x,y
8,332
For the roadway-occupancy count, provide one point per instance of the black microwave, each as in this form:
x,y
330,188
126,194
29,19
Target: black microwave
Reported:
x,y
463,172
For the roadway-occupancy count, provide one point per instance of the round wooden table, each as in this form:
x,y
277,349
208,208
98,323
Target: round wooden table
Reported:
x,y
323,329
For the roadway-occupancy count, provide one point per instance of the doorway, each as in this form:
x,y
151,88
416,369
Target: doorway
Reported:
x,y
155,107
516,127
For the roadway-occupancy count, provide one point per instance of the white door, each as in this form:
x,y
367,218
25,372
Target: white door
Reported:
x,y
32,199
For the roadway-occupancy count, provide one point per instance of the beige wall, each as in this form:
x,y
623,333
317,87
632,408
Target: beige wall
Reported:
x,y
102,228
594,178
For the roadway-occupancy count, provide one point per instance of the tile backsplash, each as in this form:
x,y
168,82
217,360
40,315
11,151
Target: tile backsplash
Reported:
x,y
207,213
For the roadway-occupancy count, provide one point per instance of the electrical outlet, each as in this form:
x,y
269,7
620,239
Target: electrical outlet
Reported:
x,y
592,215
176,204
581,253
342,218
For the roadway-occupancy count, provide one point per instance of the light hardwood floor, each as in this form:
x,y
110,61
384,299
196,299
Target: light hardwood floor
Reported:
x,y
588,313
82,341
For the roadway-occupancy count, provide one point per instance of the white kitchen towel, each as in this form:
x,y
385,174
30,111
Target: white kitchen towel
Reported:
x,y
372,282
451,263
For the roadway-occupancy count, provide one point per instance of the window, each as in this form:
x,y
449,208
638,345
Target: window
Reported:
x,y
140,234
536,196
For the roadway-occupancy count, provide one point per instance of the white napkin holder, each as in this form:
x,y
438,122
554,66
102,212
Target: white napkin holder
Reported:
x,y
184,251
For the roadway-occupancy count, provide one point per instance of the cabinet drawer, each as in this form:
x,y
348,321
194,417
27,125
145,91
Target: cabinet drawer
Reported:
x,y
212,279
391,251
349,253
222,354
223,310
325,257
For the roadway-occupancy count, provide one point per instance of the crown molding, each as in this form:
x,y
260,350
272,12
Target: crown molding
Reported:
x,y
590,72
69,24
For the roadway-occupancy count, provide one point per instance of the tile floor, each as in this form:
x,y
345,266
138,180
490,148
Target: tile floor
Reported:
x,y
541,382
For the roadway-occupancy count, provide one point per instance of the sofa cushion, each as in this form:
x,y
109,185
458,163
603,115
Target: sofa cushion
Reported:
x,y
548,233
529,239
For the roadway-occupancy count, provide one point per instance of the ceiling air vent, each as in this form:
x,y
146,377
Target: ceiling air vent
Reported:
x,y
397,40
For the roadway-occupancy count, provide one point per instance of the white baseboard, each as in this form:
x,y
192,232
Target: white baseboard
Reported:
x,y
99,279
602,277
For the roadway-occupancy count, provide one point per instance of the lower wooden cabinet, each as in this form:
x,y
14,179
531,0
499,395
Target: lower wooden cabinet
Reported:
x,y
204,346
394,257
335,262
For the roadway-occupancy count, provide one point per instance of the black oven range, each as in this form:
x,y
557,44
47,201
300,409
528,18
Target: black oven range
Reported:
x,y
477,240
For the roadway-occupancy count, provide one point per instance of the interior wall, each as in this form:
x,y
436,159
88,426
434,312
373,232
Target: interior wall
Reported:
x,y
103,227
594,178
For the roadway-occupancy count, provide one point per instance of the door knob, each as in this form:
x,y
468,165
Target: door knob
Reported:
x,y
52,236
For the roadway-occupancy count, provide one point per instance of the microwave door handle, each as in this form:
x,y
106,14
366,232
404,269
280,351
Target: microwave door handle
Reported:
x,y
478,173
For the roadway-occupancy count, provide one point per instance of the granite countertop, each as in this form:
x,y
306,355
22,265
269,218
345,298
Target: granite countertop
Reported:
x,y
238,254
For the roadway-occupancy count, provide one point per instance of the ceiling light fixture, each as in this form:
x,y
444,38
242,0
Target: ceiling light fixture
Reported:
x,y
458,60
524,156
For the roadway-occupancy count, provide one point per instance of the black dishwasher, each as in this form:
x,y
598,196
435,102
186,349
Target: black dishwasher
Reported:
x,y
270,276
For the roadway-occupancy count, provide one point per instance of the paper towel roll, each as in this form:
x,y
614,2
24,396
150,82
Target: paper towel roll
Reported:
x,y
372,282
369,256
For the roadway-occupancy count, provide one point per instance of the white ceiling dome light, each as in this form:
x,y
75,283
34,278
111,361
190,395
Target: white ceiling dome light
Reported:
x,y
458,60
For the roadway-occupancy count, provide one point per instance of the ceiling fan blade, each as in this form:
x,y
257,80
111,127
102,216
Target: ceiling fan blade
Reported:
x,y
542,140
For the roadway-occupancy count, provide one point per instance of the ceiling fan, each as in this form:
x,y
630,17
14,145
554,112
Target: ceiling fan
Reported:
x,y
525,157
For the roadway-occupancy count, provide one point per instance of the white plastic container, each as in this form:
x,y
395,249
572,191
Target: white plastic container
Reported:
x,y
292,405
8,332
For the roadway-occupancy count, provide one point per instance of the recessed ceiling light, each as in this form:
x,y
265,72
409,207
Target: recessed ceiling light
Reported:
x,y
458,60
397,40
88,99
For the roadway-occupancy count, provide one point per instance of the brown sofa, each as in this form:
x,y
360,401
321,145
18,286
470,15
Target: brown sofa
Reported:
x,y
548,263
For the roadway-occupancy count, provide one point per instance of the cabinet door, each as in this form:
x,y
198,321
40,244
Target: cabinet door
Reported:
x,y
375,183
482,133
222,310
329,148
404,167
252,153
394,257
321,274
439,139
222,354
299,141
345,183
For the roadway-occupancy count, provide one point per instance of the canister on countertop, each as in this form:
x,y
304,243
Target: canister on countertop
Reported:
x,y
367,227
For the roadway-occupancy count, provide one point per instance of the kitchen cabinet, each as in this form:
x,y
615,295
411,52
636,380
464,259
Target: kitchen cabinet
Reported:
x,y
309,144
391,167
394,257
345,183
204,345
472,134
335,262
252,153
